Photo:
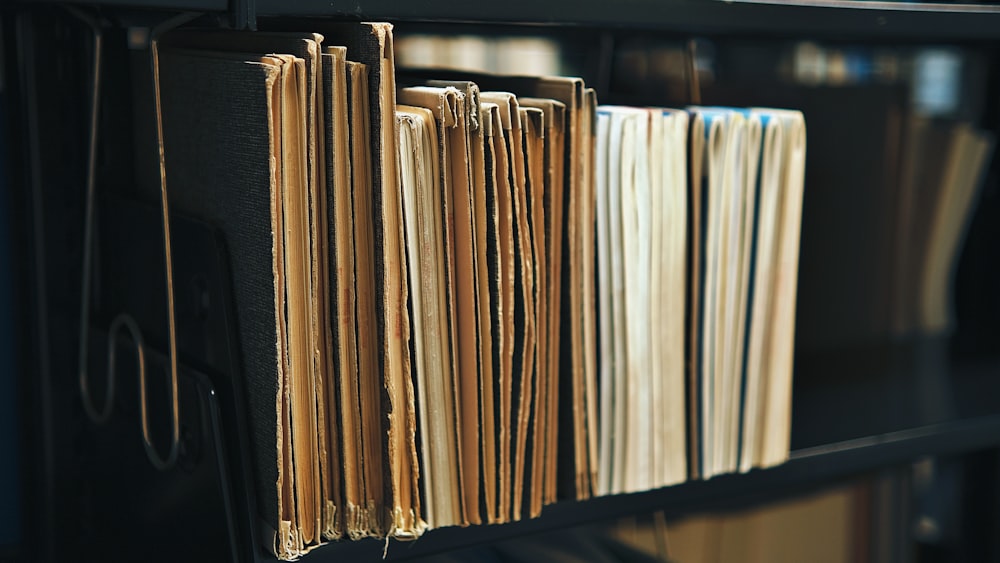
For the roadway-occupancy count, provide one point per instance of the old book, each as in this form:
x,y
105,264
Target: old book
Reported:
x,y
342,374
761,292
744,202
672,464
371,44
966,161
420,181
564,317
363,517
565,311
617,174
606,339
546,383
198,87
668,210
303,55
448,105
484,303
641,214
524,309
517,402
720,284
572,406
588,275
500,118
778,394
533,133
707,151
490,123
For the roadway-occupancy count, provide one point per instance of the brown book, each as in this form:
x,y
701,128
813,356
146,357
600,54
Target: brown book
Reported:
x,y
566,315
697,171
371,44
547,383
448,104
524,310
533,130
339,277
251,92
588,274
362,515
485,304
966,163
489,122
499,153
303,55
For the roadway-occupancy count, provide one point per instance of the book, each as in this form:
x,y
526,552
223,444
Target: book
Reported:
x,y
198,87
420,182
515,391
641,231
779,362
342,370
497,293
371,44
670,456
534,390
546,397
448,105
567,317
761,294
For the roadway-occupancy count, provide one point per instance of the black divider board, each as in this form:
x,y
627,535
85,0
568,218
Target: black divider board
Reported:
x,y
130,506
207,502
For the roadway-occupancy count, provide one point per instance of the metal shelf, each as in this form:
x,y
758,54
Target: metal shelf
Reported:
x,y
807,469
178,5
842,19
838,18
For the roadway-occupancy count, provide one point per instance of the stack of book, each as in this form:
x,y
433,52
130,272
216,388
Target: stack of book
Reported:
x,y
698,215
460,298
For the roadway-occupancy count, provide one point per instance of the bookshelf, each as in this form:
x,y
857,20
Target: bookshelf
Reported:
x,y
902,410
837,18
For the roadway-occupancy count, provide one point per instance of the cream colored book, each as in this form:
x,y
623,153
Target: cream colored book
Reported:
x,y
967,157
420,183
670,410
659,166
483,299
606,430
745,202
727,288
635,213
779,361
448,106
620,173
762,294
712,162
